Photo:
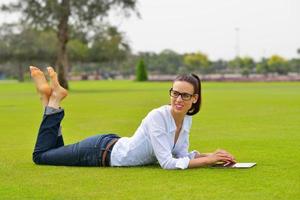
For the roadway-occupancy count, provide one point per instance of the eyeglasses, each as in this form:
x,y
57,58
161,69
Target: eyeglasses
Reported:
x,y
176,94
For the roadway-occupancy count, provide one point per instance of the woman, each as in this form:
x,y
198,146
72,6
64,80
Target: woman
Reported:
x,y
162,136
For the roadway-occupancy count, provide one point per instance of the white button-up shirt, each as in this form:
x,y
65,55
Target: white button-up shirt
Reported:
x,y
154,141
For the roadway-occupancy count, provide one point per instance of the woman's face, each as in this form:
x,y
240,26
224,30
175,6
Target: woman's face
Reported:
x,y
182,103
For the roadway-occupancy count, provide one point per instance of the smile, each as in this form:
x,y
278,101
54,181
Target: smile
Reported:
x,y
178,106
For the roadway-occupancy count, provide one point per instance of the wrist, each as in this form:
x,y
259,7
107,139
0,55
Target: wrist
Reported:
x,y
205,154
209,160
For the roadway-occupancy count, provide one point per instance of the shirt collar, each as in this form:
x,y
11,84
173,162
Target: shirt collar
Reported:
x,y
185,124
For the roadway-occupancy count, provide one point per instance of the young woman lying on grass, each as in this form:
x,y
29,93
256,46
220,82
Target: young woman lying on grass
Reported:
x,y
162,136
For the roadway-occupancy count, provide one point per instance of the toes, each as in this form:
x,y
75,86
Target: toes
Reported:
x,y
50,70
52,74
34,71
33,68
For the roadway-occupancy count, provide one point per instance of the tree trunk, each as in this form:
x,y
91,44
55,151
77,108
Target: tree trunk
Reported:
x,y
20,73
62,63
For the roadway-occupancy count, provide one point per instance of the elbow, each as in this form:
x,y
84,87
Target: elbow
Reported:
x,y
181,163
165,165
166,168
169,166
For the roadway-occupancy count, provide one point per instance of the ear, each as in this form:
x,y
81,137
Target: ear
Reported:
x,y
195,98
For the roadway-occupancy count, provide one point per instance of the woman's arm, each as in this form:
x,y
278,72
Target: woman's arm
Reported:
x,y
200,155
206,159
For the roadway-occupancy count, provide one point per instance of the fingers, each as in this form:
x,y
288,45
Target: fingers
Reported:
x,y
221,157
223,152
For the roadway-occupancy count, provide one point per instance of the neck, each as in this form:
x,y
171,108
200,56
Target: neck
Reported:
x,y
178,118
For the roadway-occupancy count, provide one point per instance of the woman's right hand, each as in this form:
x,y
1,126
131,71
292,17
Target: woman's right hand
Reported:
x,y
212,158
220,156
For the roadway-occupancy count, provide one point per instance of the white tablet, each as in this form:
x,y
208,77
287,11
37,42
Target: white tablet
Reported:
x,y
243,165
235,165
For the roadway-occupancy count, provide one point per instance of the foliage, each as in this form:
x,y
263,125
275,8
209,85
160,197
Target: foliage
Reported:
x,y
141,71
166,62
108,45
78,50
81,14
29,44
244,64
60,14
26,47
106,53
262,67
294,65
219,66
195,62
278,64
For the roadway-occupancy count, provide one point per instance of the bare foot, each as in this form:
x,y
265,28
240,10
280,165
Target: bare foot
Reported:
x,y
41,84
58,92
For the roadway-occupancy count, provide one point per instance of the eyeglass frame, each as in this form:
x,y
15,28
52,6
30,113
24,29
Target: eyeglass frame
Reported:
x,y
180,94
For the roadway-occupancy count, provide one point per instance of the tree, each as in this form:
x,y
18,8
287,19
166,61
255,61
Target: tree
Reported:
x,y
262,66
197,62
108,45
235,64
169,61
296,62
219,66
244,65
60,14
108,48
165,62
28,46
248,65
294,65
77,50
278,64
141,71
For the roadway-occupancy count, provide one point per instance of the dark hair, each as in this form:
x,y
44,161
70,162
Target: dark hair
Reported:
x,y
196,82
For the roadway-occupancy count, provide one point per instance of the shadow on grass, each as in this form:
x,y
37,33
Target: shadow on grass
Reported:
x,y
153,166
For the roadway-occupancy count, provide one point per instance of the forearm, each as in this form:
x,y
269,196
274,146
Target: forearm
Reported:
x,y
205,159
200,155
199,162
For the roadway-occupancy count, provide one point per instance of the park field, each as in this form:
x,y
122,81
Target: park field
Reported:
x,y
256,122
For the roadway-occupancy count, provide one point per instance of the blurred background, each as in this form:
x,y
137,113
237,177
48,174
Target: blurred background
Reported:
x,y
91,40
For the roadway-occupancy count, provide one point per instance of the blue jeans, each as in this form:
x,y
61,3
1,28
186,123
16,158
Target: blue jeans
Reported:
x,y
50,149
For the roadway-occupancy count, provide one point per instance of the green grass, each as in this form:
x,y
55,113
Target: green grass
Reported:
x,y
257,122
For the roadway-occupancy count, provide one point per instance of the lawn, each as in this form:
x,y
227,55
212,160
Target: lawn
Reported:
x,y
257,122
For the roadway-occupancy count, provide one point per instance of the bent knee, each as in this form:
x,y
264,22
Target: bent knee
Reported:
x,y
36,158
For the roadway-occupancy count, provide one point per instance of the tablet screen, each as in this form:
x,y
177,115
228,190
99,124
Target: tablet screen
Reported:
x,y
243,165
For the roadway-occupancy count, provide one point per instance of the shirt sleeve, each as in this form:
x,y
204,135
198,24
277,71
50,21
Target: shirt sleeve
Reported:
x,y
161,145
183,151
